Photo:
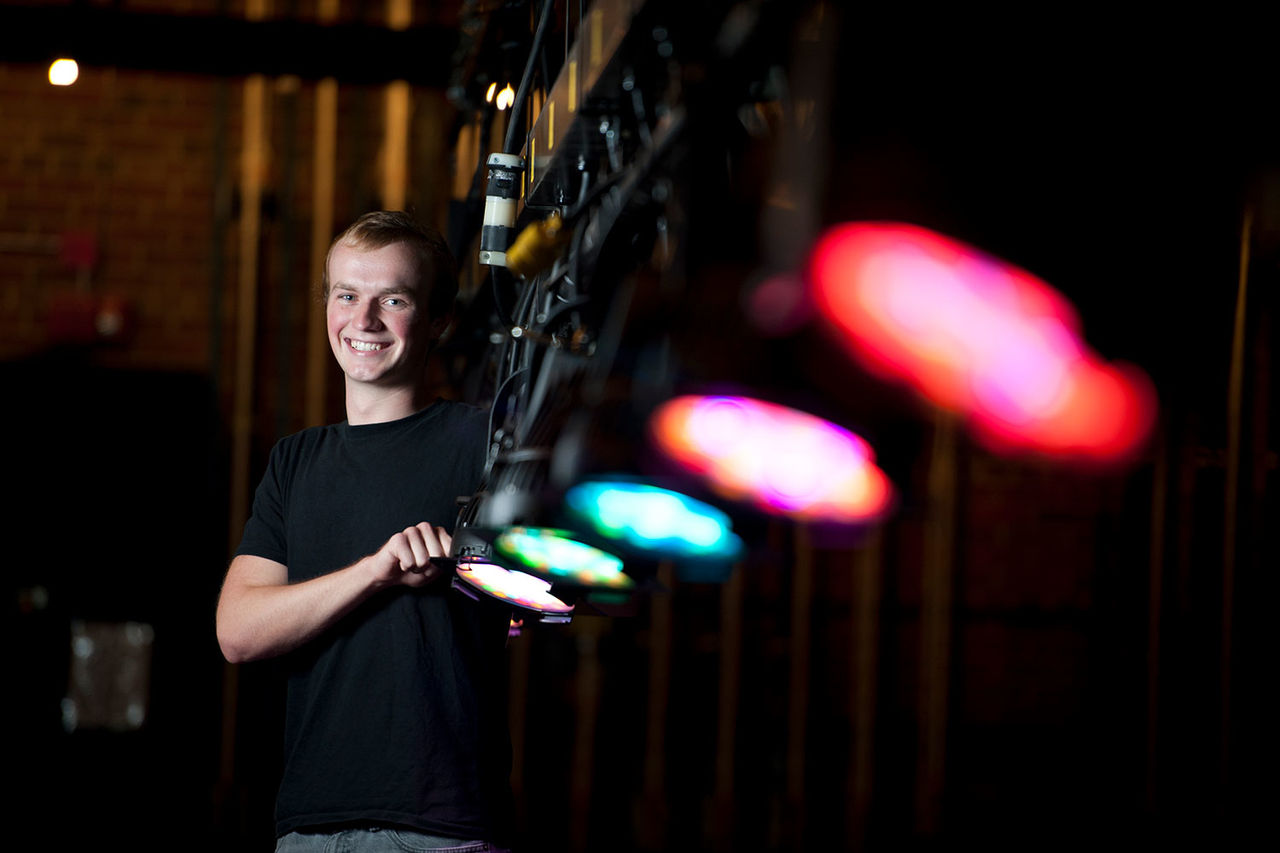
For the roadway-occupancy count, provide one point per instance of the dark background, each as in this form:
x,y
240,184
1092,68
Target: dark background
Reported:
x,y
1105,659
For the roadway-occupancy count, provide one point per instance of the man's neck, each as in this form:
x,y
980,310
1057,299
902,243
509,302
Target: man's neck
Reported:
x,y
367,405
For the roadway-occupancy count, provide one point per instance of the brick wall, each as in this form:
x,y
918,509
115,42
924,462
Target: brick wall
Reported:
x,y
106,190
122,190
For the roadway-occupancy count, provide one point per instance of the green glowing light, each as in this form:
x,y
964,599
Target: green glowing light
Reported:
x,y
555,553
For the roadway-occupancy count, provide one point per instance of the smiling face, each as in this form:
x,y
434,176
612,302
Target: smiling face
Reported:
x,y
379,325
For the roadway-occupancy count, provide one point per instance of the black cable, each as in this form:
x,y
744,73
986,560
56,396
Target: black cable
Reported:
x,y
525,80
503,317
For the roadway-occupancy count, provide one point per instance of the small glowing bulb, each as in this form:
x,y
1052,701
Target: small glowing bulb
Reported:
x,y
63,72
506,97
488,95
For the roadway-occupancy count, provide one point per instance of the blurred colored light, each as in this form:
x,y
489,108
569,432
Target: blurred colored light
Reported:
x,y
783,460
979,337
506,97
556,554
654,519
519,588
63,72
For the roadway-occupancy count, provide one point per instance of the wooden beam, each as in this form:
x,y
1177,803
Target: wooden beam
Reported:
x,y
935,628
798,689
864,659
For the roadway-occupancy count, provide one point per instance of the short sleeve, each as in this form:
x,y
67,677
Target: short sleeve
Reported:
x,y
264,533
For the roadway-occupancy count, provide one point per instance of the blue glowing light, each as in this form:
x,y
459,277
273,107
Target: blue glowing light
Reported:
x,y
653,519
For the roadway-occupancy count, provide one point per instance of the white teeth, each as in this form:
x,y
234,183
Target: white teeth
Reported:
x,y
363,346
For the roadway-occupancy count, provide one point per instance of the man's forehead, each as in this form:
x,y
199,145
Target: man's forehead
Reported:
x,y
390,268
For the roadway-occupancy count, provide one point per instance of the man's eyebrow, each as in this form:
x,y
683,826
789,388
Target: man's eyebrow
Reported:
x,y
389,290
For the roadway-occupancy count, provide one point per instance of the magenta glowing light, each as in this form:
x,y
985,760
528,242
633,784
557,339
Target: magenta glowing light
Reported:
x,y
979,337
782,460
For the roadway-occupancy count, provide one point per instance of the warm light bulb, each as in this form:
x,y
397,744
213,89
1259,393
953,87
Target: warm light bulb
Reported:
x,y
488,94
506,97
63,72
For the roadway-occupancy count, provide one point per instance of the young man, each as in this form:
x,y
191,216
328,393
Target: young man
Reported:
x,y
396,713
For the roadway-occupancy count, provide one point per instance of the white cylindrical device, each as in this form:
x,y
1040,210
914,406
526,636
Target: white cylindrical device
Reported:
x,y
501,197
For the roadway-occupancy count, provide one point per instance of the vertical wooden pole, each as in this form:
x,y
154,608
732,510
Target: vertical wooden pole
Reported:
x,y
1155,606
935,628
651,822
727,714
253,167
864,659
1230,527
395,141
798,689
325,150
588,630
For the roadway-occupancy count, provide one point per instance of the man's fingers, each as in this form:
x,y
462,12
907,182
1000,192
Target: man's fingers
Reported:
x,y
416,546
416,555
420,549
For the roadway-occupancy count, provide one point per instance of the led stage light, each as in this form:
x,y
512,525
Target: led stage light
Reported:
x,y
555,555
522,590
653,520
783,460
980,337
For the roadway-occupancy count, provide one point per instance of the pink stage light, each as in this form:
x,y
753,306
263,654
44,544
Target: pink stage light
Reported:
x,y
979,337
782,460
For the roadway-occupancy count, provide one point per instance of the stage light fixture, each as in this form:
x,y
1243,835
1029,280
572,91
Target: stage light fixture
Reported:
x,y
980,337
783,460
556,555
653,520
528,593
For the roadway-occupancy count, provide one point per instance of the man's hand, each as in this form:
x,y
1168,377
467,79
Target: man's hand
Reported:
x,y
405,559
261,614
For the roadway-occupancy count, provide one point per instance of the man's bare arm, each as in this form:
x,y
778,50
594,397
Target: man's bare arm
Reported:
x,y
262,615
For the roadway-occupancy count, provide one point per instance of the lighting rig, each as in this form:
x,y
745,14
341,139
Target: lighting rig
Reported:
x,y
608,454
582,237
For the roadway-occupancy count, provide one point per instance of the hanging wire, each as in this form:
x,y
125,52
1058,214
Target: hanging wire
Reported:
x,y
526,79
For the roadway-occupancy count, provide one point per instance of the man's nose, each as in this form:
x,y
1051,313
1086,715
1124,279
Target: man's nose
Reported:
x,y
367,316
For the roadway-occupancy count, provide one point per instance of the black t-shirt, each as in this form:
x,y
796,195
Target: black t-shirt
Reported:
x,y
397,714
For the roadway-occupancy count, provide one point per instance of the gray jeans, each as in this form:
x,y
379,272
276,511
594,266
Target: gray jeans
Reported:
x,y
378,840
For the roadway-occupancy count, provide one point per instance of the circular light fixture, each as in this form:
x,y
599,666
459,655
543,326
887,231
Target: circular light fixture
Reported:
x,y
651,519
513,587
783,460
555,555
977,336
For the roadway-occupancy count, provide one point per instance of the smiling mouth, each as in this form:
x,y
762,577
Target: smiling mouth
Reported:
x,y
363,346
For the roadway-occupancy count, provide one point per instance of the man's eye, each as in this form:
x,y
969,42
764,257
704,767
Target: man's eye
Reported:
x,y
396,302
